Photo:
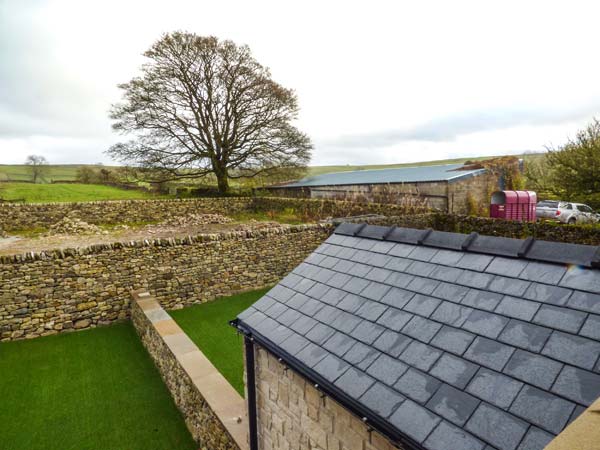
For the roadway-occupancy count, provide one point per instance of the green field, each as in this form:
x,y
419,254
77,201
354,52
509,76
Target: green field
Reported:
x,y
94,390
59,192
20,172
208,326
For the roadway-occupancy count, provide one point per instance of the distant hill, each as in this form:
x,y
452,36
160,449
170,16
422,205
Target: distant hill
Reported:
x,y
68,172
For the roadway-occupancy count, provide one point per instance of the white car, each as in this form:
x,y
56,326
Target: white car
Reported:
x,y
566,212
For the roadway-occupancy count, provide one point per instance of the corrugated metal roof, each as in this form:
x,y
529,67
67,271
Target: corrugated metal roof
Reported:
x,y
456,349
445,172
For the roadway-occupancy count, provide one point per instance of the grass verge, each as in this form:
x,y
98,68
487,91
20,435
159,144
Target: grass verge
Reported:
x,y
208,326
95,389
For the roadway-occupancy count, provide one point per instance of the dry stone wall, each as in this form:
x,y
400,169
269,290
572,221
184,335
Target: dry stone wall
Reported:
x,y
45,293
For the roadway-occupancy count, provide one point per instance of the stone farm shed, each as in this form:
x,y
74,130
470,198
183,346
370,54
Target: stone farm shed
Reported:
x,y
444,187
416,339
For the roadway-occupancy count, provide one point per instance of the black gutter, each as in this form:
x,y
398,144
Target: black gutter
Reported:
x,y
371,420
251,392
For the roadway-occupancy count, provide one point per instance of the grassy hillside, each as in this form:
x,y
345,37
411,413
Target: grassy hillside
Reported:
x,y
42,193
20,172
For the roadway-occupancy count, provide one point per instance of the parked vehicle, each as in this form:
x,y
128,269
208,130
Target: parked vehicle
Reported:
x,y
566,212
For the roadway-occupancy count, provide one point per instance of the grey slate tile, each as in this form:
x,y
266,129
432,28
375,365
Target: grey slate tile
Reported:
x,y
339,343
455,371
543,272
535,439
289,317
422,253
583,279
320,333
443,273
381,399
422,285
447,436
394,319
585,301
397,297
333,296
375,291
367,332
545,293
542,409
525,335
392,342
452,314
485,323
255,319
354,382
517,308
534,369
578,385
482,299
508,286
398,264
325,274
351,303
420,268
247,313
294,343
508,267
280,293
303,325
402,250
579,351
576,413
361,355
304,285
591,327
420,355
475,279
387,369
474,261
298,301
447,257
502,430
417,385
290,280
453,292
489,353
422,305
452,404
276,310
339,280
378,274
560,318
453,340
311,354
382,247
494,388
345,322
399,279
264,303
331,367
356,285
318,290
421,329
414,420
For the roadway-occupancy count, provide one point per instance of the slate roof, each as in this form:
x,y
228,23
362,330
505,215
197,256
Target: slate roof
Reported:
x,y
446,172
456,342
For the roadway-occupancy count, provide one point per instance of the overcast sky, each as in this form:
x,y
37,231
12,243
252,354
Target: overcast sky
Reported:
x,y
378,82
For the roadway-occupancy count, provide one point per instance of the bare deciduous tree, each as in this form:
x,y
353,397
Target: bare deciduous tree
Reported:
x,y
38,166
207,106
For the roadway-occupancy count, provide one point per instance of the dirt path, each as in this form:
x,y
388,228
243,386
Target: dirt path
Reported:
x,y
17,245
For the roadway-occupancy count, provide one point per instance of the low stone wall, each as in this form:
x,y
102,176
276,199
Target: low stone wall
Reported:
x,y
213,411
45,293
19,216
293,414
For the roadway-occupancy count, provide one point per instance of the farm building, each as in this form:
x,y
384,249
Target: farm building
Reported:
x,y
444,187
387,338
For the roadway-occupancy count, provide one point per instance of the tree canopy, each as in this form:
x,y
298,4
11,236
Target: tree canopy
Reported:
x,y
204,106
38,166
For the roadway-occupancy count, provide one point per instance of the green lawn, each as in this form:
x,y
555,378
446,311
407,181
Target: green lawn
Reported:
x,y
41,193
208,326
93,390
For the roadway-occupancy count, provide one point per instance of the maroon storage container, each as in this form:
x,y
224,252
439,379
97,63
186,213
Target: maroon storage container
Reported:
x,y
514,205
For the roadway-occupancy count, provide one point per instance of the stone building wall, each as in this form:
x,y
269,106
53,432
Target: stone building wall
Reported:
x,y
49,292
213,411
292,414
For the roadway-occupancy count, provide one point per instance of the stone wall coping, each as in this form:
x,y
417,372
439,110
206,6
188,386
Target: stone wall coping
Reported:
x,y
160,242
228,406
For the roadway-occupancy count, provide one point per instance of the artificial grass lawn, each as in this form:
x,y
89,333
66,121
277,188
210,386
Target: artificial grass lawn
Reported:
x,y
95,389
208,326
67,192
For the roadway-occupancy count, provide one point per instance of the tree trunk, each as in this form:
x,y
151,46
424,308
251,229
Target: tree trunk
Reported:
x,y
222,181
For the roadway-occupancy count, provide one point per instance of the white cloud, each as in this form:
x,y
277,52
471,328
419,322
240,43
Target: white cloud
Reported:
x,y
378,82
